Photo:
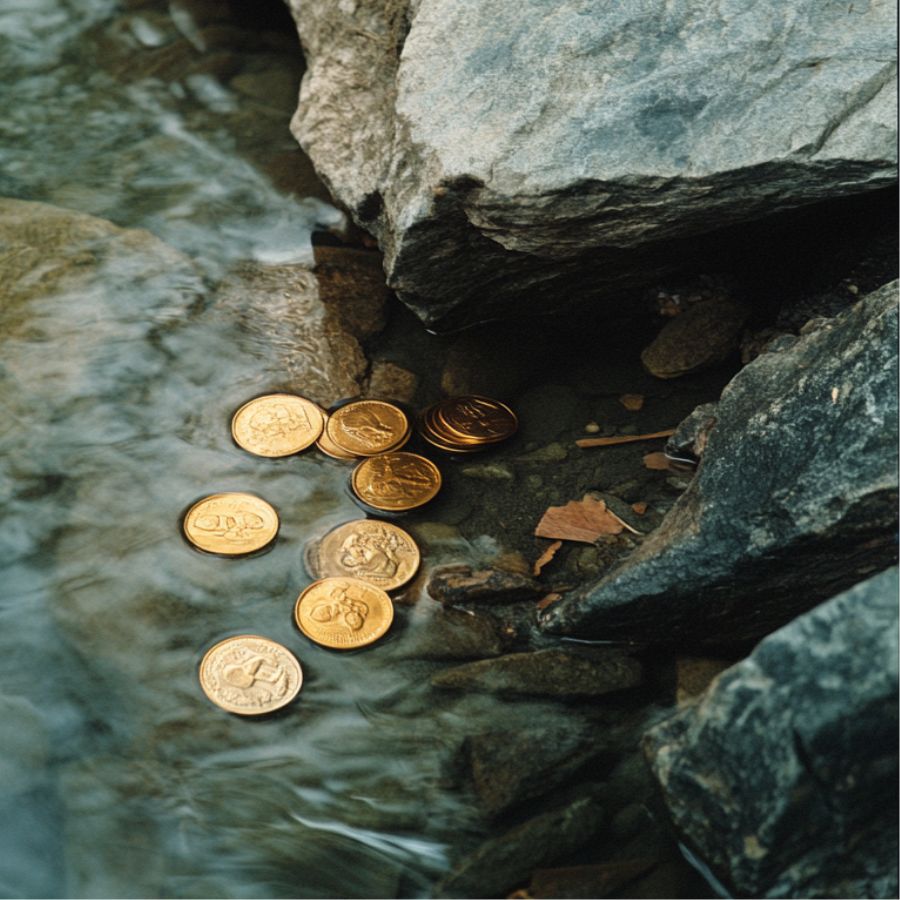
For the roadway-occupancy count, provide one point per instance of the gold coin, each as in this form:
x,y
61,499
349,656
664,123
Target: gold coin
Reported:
x,y
396,481
231,524
473,419
329,448
376,552
343,613
250,675
367,427
277,425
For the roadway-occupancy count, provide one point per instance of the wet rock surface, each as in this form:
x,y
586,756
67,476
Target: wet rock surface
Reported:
x,y
795,498
780,776
447,142
509,769
461,585
548,673
500,863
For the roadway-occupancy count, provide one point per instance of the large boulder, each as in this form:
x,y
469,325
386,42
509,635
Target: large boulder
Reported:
x,y
516,157
795,498
784,776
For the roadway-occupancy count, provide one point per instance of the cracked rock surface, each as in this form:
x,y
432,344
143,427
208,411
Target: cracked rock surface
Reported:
x,y
523,158
795,498
778,776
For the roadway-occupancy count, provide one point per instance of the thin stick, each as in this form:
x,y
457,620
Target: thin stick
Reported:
x,y
624,439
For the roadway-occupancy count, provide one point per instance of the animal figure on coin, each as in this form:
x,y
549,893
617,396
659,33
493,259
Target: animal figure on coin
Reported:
x,y
246,674
237,527
276,421
366,426
371,554
343,610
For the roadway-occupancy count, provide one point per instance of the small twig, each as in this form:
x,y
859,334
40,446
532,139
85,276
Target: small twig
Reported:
x,y
623,439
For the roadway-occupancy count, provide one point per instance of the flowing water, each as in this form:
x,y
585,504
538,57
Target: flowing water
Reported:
x,y
120,365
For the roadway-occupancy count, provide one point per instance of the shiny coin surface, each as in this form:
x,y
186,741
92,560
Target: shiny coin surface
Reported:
x,y
376,552
471,420
396,481
343,613
250,675
277,425
367,427
329,448
231,524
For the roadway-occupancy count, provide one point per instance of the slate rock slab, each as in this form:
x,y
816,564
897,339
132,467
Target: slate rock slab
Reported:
x,y
784,776
462,584
546,673
501,862
795,498
520,157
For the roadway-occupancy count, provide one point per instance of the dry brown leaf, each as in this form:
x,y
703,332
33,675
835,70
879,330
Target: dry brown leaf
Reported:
x,y
623,438
624,523
579,520
640,507
656,460
632,402
545,557
546,601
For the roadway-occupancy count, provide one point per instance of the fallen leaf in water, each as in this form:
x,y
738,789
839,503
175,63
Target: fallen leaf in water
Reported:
x,y
546,601
656,460
632,402
579,520
623,438
624,523
545,557
640,507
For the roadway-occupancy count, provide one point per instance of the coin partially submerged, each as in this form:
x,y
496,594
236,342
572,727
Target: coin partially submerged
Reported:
x,y
329,448
231,524
376,552
367,427
396,481
466,424
277,425
250,675
343,613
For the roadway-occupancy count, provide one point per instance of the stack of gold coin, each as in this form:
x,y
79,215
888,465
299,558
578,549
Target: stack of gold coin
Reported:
x,y
467,424
365,428
343,613
396,482
376,552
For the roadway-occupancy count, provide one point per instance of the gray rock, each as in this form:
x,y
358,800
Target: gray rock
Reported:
x,y
546,673
452,634
795,498
784,777
510,768
502,862
700,337
563,151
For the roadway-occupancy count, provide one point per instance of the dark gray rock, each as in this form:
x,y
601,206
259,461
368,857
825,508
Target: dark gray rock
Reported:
x,y
784,776
502,862
795,498
511,768
454,585
565,150
546,673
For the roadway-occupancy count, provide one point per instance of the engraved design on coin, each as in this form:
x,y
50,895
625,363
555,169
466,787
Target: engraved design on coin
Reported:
x,y
250,675
367,427
376,552
343,613
277,425
396,481
231,524
480,418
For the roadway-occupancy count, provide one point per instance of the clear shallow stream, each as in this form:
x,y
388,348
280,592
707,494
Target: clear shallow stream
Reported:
x,y
117,380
